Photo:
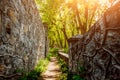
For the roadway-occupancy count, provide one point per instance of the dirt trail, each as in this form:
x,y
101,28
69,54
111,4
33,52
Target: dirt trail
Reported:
x,y
53,70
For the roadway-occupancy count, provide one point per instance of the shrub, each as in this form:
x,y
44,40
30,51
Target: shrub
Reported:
x,y
42,64
64,69
34,74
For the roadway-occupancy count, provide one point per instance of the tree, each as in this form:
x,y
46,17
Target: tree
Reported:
x,y
66,18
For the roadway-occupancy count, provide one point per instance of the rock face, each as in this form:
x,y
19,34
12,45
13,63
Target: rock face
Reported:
x,y
22,36
98,51
46,39
75,48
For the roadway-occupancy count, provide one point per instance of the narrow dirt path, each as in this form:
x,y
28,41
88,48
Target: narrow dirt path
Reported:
x,y
53,70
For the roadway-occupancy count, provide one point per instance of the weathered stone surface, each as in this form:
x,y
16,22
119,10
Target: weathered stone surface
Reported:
x,y
46,39
74,54
22,36
99,49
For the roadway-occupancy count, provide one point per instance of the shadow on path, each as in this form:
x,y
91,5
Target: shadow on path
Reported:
x,y
53,70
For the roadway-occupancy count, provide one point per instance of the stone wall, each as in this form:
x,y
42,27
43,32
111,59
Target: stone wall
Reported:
x,y
46,39
98,51
75,48
22,36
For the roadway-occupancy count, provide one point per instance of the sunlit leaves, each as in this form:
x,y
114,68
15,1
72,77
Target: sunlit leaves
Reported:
x,y
66,18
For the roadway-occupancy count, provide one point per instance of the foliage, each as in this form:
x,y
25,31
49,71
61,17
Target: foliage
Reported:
x,y
63,76
77,77
42,64
64,69
66,75
81,70
40,67
81,74
52,53
66,18
72,76
65,50
19,71
34,74
63,65
53,50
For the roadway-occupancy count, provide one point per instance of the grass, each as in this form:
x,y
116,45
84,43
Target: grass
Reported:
x,y
53,52
64,69
65,50
42,66
35,74
32,75
66,75
62,64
